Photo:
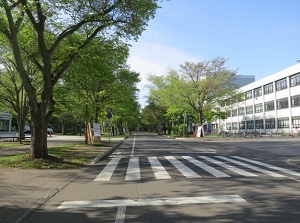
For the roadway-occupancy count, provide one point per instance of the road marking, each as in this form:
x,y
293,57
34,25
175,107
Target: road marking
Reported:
x,y
151,202
270,166
229,167
270,173
120,216
108,171
202,151
210,150
133,145
133,170
187,172
205,167
159,171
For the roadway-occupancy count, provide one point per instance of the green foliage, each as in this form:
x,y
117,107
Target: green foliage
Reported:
x,y
195,88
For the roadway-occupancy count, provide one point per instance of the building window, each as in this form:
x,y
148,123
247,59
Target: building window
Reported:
x,y
234,125
4,125
228,126
228,114
250,125
268,88
241,111
259,124
258,108
249,110
270,123
295,80
281,84
248,95
257,92
283,123
295,101
269,106
242,125
282,103
234,112
296,122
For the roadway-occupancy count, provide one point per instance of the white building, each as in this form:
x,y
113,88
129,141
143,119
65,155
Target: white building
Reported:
x,y
5,123
271,104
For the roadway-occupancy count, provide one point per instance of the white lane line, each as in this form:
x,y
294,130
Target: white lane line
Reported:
x,y
133,170
187,172
133,145
159,171
108,171
210,150
120,216
270,173
270,166
229,167
202,151
151,202
205,167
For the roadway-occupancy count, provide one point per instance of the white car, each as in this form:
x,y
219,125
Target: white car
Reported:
x,y
26,129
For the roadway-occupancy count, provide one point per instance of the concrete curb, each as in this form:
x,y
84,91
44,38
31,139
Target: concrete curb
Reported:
x,y
106,154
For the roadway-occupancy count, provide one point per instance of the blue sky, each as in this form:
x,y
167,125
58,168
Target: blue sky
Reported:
x,y
258,37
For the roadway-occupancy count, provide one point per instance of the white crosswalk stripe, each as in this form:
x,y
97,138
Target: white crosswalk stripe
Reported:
x,y
133,171
270,166
108,171
187,172
270,173
205,167
229,167
159,171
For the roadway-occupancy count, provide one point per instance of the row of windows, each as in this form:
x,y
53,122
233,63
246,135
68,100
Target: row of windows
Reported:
x,y
259,124
268,88
269,106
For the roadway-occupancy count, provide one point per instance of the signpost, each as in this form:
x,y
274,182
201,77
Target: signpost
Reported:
x,y
109,116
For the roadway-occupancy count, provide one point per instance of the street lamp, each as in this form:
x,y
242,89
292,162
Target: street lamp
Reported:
x,y
184,128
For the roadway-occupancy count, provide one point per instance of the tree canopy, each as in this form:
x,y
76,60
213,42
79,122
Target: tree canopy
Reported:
x,y
196,87
52,34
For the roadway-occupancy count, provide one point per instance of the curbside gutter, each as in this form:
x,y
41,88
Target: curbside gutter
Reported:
x,y
106,154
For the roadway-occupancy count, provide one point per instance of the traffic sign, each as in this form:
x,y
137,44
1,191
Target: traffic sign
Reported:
x,y
109,109
109,115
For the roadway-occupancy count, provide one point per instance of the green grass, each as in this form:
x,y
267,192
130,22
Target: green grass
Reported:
x,y
9,144
60,157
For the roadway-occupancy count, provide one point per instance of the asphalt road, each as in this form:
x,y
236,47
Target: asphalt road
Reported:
x,y
154,179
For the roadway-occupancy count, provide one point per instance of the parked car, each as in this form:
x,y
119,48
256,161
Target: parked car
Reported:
x,y
49,129
26,129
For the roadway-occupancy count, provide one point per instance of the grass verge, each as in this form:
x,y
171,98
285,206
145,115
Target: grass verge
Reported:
x,y
9,144
60,157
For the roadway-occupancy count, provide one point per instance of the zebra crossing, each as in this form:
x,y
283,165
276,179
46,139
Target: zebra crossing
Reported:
x,y
189,167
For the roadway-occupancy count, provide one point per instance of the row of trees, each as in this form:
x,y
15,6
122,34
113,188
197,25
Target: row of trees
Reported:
x,y
55,46
195,90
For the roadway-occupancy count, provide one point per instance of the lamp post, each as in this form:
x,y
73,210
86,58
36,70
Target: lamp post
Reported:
x,y
184,127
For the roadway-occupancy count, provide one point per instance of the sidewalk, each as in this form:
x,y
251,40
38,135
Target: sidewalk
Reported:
x,y
22,191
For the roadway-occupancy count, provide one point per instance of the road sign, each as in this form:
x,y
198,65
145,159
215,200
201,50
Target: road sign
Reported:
x,y
109,109
109,115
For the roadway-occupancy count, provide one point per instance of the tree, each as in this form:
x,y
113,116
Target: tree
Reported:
x,y
46,33
199,86
12,95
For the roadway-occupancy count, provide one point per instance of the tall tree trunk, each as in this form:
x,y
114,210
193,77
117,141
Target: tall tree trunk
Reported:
x,y
200,116
38,146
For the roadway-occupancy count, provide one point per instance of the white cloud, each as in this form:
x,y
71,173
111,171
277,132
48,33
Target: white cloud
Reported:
x,y
154,58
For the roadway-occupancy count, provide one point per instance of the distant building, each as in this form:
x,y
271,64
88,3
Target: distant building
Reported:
x,y
243,80
5,123
271,104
